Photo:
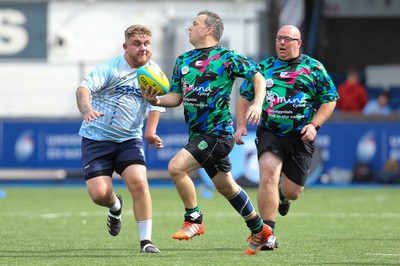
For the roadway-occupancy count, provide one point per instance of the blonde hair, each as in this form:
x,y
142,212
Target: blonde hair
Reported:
x,y
141,30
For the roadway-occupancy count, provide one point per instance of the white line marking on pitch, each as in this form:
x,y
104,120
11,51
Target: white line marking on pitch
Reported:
x,y
382,254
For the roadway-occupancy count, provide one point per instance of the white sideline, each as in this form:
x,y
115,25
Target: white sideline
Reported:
x,y
42,174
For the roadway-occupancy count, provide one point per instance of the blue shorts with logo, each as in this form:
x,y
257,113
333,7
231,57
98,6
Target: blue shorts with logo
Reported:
x,y
104,157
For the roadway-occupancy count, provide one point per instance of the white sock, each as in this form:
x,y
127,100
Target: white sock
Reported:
x,y
144,228
116,206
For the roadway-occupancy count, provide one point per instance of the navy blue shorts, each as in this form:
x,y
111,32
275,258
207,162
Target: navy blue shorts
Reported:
x,y
211,152
104,157
295,153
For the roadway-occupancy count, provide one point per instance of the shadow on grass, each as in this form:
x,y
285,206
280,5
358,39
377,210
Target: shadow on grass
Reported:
x,y
105,253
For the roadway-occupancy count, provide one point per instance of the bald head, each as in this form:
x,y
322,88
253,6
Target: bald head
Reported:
x,y
290,30
288,42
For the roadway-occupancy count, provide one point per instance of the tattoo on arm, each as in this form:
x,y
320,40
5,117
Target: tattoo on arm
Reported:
x,y
84,105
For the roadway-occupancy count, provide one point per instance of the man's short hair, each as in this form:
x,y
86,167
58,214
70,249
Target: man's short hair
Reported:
x,y
214,21
137,29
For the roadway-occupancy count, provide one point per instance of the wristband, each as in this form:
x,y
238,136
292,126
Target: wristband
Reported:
x,y
317,127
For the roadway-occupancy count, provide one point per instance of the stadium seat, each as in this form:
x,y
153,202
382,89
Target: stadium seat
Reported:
x,y
394,93
373,92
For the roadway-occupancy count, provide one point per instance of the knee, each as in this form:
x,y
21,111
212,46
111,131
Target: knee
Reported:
x,y
269,180
101,198
174,170
138,186
292,194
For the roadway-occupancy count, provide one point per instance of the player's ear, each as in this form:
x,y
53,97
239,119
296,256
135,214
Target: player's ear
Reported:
x,y
210,30
124,46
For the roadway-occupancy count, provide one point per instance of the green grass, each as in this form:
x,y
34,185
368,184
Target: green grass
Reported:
x,y
61,226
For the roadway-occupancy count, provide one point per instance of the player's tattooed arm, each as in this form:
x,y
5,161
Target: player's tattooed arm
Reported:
x,y
84,105
83,100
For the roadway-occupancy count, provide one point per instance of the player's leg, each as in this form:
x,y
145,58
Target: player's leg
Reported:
x,y
101,192
241,202
135,179
97,171
131,166
288,191
267,197
219,170
294,174
179,167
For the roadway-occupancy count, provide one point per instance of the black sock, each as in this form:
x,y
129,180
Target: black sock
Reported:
x,y
145,242
255,225
271,224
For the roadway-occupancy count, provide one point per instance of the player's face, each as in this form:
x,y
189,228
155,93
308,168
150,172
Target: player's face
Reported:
x,y
198,30
138,50
287,43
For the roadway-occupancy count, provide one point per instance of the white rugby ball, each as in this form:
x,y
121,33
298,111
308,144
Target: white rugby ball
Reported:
x,y
153,77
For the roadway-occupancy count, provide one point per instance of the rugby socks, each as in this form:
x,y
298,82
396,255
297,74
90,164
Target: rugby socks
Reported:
x,y
144,228
190,211
271,224
116,209
117,205
193,215
255,224
242,203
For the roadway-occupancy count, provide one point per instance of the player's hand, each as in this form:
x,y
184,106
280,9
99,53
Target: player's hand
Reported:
x,y
253,115
240,131
308,133
156,141
92,115
150,95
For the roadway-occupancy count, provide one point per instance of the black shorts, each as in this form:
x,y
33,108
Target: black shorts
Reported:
x,y
211,152
105,157
294,152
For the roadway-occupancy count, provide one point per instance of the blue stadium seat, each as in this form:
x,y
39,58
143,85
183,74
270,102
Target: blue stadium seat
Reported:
x,y
373,92
394,93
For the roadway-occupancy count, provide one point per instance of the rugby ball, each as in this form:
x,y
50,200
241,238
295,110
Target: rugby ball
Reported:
x,y
153,77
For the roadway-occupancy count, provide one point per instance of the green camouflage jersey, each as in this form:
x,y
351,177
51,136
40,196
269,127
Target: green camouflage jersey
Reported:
x,y
205,78
295,90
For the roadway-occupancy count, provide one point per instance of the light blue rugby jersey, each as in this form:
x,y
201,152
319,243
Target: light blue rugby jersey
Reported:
x,y
116,93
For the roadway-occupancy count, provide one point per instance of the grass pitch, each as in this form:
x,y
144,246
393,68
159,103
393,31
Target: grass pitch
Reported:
x,y
61,226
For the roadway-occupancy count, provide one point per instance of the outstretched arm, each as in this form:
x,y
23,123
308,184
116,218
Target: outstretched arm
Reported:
x,y
170,99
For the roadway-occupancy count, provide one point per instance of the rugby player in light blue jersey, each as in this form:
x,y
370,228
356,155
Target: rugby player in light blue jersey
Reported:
x,y
111,104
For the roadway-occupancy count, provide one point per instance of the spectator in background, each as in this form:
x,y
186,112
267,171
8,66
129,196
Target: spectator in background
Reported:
x,y
378,106
353,95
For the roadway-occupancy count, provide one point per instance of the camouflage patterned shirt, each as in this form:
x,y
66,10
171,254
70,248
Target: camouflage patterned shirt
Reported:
x,y
295,90
205,78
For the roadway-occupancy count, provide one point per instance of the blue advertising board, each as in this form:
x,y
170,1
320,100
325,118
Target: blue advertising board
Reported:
x,y
55,144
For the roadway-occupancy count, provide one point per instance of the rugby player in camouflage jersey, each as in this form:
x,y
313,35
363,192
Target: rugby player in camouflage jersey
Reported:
x,y
300,97
202,80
